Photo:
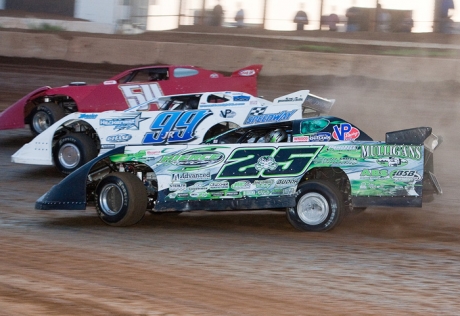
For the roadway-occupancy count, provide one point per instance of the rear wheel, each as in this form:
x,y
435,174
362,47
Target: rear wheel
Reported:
x,y
45,115
74,150
121,199
319,206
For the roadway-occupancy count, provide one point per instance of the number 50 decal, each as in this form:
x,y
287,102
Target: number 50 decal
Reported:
x,y
140,93
268,162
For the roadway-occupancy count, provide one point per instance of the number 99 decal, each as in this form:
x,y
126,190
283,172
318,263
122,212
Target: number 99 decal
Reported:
x,y
268,162
174,126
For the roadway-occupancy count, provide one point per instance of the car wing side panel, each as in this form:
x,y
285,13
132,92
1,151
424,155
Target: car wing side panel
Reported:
x,y
70,193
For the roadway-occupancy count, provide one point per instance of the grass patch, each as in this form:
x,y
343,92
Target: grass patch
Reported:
x,y
420,53
318,48
48,27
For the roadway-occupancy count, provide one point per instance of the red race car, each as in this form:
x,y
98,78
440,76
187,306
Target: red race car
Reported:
x,y
46,105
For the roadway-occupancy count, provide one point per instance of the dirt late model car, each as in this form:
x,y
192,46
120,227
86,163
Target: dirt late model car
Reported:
x,y
318,169
46,105
79,137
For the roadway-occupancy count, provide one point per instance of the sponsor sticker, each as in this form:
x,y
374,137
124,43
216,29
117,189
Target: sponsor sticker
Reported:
x,y
177,187
294,99
406,176
343,148
374,174
217,194
402,151
296,139
152,153
199,186
87,116
199,195
194,158
126,121
241,185
107,146
286,182
392,162
257,116
345,132
119,138
247,72
186,176
240,98
232,194
264,192
227,113
336,161
263,183
219,185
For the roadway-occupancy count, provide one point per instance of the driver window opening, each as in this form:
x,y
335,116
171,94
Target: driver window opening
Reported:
x,y
148,75
214,98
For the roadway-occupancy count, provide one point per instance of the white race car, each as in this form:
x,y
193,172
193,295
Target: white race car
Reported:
x,y
192,118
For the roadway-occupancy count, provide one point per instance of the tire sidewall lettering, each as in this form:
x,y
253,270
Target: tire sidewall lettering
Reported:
x,y
122,213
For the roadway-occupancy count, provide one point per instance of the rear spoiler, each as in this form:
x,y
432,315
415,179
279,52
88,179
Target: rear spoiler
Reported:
x,y
420,136
312,105
315,105
249,71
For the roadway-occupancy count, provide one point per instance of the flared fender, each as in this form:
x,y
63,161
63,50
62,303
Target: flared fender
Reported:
x,y
13,116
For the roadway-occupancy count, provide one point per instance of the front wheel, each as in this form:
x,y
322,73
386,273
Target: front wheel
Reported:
x,y
73,151
45,115
121,199
319,207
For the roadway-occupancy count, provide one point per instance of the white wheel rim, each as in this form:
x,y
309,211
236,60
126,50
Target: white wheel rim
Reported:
x,y
111,199
69,156
313,208
41,121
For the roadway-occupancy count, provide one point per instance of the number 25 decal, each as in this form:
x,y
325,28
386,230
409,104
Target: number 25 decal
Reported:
x,y
174,126
285,161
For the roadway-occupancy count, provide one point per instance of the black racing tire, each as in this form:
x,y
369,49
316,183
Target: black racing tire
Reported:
x,y
73,150
45,115
121,199
319,207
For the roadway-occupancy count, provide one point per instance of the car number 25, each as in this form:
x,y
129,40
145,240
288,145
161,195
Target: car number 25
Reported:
x,y
268,162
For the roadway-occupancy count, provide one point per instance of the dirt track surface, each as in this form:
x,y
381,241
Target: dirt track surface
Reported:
x,y
382,262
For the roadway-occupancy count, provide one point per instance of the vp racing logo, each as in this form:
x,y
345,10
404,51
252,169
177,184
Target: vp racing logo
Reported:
x,y
257,115
345,132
